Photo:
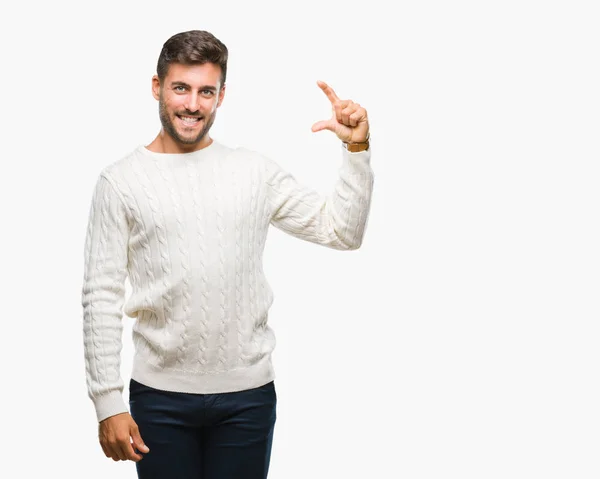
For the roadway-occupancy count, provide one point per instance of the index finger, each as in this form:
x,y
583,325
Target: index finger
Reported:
x,y
328,91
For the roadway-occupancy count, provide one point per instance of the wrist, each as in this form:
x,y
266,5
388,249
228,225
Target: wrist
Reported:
x,y
366,140
355,146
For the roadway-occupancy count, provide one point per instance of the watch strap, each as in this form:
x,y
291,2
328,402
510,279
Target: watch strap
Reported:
x,y
359,146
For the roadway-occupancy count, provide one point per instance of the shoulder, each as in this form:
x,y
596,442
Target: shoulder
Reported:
x,y
115,173
116,167
245,154
265,163
255,160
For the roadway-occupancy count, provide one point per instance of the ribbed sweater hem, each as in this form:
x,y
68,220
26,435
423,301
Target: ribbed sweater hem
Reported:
x,y
200,382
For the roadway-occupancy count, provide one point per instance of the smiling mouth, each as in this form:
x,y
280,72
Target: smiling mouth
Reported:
x,y
189,120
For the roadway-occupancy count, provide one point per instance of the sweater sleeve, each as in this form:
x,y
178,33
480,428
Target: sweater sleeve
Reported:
x,y
337,220
102,297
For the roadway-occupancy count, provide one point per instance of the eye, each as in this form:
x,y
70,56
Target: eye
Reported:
x,y
179,88
208,92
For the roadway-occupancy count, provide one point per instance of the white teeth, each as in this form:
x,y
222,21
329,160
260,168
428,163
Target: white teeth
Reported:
x,y
189,119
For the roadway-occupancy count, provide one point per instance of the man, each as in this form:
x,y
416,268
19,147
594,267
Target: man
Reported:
x,y
186,219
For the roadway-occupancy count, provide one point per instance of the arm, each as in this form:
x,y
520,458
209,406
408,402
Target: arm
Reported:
x,y
338,220
102,297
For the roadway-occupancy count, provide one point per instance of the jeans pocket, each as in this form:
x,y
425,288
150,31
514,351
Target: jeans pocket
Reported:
x,y
136,387
269,389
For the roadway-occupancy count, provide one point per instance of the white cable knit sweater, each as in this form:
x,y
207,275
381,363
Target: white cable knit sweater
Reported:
x,y
188,230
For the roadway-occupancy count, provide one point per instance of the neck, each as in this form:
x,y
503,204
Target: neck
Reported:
x,y
164,143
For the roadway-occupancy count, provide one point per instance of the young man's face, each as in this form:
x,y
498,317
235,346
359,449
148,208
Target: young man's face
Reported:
x,y
188,100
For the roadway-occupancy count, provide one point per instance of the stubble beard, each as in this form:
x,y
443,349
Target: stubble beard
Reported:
x,y
170,129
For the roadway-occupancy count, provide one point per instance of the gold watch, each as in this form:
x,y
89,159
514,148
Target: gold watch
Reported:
x,y
354,147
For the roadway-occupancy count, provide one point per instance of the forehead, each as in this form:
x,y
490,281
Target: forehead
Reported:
x,y
194,75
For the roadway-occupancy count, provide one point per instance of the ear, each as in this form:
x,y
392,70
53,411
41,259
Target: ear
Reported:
x,y
221,95
156,87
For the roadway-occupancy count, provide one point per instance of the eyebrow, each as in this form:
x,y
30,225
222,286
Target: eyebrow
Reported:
x,y
203,87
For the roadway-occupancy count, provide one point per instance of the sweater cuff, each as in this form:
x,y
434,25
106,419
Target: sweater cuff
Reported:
x,y
109,404
357,157
357,161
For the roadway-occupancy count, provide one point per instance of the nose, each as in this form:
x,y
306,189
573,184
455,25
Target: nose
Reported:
x,y
191,101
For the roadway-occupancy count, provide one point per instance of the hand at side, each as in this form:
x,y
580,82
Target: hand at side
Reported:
x,y
115,432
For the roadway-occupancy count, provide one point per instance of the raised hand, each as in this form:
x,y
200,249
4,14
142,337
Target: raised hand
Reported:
x,y
349,120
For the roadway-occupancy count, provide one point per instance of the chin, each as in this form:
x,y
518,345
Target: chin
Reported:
x,y
189,140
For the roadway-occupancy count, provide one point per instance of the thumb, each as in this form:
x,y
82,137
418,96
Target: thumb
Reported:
x,y
322,125
138,442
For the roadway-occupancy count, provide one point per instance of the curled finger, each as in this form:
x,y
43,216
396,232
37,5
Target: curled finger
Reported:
x,y
105,449
354,118
131,454
346,112
338,107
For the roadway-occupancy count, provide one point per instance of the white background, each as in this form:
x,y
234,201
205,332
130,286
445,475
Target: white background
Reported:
x,y
460,341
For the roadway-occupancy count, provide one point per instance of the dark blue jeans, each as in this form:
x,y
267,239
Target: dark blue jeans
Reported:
x,y
204,436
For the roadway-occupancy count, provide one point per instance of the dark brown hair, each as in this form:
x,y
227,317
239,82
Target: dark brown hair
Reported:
x,y
190,48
